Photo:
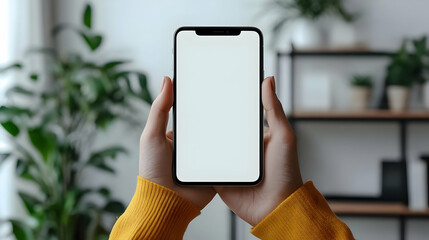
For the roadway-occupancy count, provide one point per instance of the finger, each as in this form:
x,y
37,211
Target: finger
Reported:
x,y
266,129
169,135
266,132
276,117
158,117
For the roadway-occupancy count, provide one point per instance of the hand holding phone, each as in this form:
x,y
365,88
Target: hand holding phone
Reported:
x,y
282,174
156,150
250,203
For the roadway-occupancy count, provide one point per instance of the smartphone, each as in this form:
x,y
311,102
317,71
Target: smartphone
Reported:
x,y
217,110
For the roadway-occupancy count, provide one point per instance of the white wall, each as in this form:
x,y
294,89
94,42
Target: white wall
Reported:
x,y
143,31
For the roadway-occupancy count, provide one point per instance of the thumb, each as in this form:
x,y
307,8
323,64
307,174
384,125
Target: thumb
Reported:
x,y
156,124
276,117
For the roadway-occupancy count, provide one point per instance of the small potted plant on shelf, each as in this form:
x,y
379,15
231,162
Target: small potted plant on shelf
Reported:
x,y
304,14
405,68
361,91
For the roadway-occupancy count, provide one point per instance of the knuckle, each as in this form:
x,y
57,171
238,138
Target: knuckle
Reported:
x,y
293,138
147,135
143,137
288,137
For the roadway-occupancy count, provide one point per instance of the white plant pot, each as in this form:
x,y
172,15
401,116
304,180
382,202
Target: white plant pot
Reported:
x,y
426,95
305,34
341,34
398,97
360,97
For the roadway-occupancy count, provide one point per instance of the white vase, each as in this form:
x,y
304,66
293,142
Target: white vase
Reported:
x,y
398,97
341,34
305,34
360,97
417,185
426,95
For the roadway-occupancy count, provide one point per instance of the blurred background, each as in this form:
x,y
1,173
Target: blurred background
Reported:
x,y
77,79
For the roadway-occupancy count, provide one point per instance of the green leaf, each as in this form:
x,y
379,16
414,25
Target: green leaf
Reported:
x,y
103,166
144,94
21,167
104,118
21,230
361,81
420,46
13,111
25,164
68,206
142,80
114,207
113,64
30,202
98,159
48,95
87,16
104,191
20,90
3,157
8,113
43,141
12,66
93,42
34,77
108,152
11,128
123,74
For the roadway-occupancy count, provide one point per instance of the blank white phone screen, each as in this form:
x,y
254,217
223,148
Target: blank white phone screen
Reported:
x,y
217,107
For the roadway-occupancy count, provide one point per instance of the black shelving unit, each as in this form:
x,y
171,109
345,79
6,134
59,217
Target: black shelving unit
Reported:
x,y
402,213
323,54
371,116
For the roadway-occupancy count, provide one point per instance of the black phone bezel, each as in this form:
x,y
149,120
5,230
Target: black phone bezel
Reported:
x,y
221,31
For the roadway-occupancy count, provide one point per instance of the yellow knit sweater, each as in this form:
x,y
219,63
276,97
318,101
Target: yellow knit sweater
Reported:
x,y
156,212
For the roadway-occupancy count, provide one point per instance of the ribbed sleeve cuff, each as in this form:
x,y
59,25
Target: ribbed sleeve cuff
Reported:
x,y
305,214
155,212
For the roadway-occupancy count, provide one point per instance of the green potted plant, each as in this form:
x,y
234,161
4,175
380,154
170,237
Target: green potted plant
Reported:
x,y
405,69
304,14
361,86
52,138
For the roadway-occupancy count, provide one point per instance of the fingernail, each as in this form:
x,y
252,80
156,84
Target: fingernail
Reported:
x,y
163,83
273,83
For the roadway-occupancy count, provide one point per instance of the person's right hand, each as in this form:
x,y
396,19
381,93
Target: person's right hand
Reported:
x,y
281,175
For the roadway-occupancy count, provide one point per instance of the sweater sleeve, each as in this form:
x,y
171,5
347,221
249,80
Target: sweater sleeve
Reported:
x,y
303,215
155,212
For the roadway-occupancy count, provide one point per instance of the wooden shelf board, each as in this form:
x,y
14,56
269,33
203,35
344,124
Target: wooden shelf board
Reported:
x,y
351,51
370,114
371,208
354,49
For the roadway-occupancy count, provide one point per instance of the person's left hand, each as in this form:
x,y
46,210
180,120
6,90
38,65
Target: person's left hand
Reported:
x,y
156,150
